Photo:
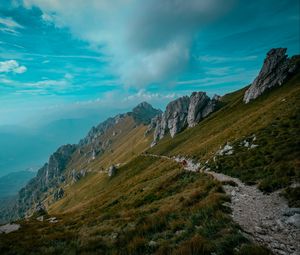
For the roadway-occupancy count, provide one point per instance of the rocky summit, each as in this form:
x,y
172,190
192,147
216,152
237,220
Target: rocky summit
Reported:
x,y
277,68
181,113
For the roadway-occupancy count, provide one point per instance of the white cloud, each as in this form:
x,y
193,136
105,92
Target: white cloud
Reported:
x,y
12,66
8,25
143,95
147,41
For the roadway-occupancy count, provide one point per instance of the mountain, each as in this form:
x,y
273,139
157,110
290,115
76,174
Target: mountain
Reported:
x,y
222,177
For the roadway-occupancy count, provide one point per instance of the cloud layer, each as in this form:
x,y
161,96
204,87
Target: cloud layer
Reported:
x,y
11,66
147,41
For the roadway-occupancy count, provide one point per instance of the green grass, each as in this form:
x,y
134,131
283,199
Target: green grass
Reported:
x,y
155,200
274,118
148,200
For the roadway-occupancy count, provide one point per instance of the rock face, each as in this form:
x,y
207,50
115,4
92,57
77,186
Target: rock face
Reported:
x,y
197,108
174,119
181,113
49,176
59,194
276,69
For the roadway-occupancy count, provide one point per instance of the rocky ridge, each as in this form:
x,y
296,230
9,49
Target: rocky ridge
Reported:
x,y
53,176
182,113
50,176
276,69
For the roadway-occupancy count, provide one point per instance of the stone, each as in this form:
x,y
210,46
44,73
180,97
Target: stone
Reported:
x,y
78,175
226,150
40,209
40,218
52,220
112,170
152,243
58,194
276,69
294,220
8,228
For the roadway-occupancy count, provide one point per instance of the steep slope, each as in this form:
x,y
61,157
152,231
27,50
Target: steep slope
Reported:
x,y
152,205
114,141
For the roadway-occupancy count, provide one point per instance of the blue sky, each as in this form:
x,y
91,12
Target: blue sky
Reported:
x,y
64,59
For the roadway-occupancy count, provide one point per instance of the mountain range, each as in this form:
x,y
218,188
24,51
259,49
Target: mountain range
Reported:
x,y
177,181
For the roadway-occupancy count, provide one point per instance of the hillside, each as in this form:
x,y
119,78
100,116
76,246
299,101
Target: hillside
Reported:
x,y
114,194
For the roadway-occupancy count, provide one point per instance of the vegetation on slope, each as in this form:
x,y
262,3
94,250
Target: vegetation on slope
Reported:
x,y
152,206
275,121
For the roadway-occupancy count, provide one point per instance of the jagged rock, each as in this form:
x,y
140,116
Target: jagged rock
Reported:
x,y
112,170
275,71
183,112
77,175
152,124
40,209
226,150
174,119
59,194
198,102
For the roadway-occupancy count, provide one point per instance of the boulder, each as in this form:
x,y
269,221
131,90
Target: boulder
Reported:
x,y
8,228
112,170
276,69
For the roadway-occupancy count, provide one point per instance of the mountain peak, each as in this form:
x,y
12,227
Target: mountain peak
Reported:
x,y
144,112
142,106
276,69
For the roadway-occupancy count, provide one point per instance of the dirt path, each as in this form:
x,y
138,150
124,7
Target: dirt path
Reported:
x,y
266,219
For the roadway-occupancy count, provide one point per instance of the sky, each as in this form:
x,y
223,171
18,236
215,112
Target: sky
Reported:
x,y
66,59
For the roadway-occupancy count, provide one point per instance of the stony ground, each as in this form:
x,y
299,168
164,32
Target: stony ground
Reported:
x,y
266,219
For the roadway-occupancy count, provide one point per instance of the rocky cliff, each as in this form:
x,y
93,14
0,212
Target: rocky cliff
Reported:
x,y
181,113
54,174
50,176
276,69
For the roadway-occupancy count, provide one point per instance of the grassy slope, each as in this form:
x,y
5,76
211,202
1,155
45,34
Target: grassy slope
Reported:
x,y
274,118
127,142
148,200
151,199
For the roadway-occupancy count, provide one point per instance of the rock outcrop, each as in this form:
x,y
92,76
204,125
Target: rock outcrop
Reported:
x,y
50,176
182,113
199,108
277,68
112,170
58,194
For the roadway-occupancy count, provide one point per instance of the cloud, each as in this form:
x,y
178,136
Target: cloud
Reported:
x,y
12,66
146,41
143,95
8,25
9,22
